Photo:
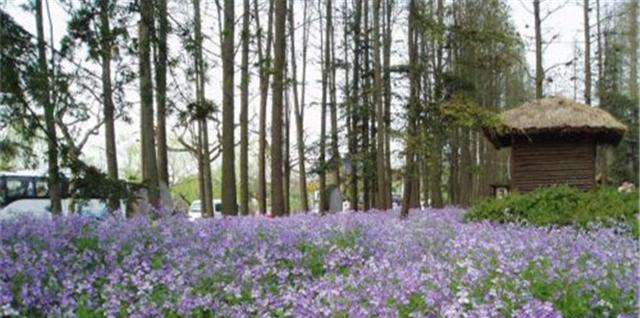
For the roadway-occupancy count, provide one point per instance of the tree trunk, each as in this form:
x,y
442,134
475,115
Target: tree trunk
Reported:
x,y
55,189
204,164
161,96
244,113
354,113
298,106
277,199
414,99
107,98
453,166
326,69
633,81
229,204
335,153
364,105
436,173
466,177
539,69
265,65
381,171
387,101
149,165
287,146
587,55
424,169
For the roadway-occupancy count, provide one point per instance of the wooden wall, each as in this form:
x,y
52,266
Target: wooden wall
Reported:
x,y
549,162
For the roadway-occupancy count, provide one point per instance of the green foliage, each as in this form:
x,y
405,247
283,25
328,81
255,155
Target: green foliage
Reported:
x,y
313,258
561,205
467,113
570,296
416,304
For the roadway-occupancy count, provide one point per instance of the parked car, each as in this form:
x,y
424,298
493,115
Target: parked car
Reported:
x,y
195,210
26,193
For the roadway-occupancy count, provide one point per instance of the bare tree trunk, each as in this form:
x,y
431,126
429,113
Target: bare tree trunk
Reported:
x,y
335,153
599,55
326,58
381,171
204,164
287,146
229,204
149,165
265,65
365,103
436,173
55,189
453,166
424,170
539,69
414,99
107,98
587,54
354,113
633,80
161,96
277,199
387,100
244,113
466,178
299,107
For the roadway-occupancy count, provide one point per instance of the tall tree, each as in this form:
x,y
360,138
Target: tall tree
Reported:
x,y
277,199
326,69
46,100
299,104
366,130
161,95
202,110
106,45
388,29
148,144
354,117
412,111
381,197
265,65
587,54
436,153
538,39
335,152
633,84
244,112
229,204
286,155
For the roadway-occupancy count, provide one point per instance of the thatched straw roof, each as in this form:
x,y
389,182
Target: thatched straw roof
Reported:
x,y
556,117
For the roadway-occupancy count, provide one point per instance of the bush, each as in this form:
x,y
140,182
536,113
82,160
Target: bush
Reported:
x,y
561,205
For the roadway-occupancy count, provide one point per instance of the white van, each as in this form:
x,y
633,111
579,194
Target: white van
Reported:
x,y
26,193
195,210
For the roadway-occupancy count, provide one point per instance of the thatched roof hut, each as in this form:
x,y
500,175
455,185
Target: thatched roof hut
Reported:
x,y
553,141
556,117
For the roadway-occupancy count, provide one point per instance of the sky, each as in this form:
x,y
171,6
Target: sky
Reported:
x,y
566,22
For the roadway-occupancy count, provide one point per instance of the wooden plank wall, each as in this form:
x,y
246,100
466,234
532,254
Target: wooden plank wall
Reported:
x,y
549,162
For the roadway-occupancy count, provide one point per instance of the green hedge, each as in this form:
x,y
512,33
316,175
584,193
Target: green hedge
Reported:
x,y
561,205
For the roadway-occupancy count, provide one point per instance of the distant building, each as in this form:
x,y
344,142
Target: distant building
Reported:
x,y
553,141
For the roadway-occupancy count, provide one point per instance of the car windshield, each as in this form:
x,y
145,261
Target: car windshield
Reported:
x,y
195,206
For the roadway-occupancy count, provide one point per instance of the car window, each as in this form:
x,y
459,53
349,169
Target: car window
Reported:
x,y
218,207
195,206
17,188
42,188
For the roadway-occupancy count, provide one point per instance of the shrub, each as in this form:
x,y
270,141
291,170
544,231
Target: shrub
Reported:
x,y
562,205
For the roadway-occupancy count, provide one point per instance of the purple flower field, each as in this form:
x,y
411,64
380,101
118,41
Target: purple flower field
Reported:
x,y
348,265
